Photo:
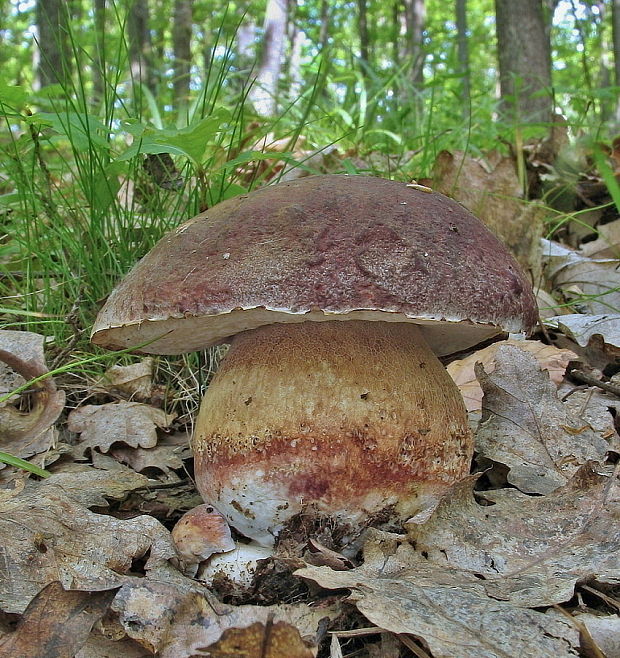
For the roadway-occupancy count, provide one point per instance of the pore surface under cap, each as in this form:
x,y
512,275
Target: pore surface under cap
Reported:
x,y
321,248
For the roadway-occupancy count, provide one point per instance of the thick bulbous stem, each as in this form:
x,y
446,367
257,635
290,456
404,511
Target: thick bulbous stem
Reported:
x,y
354,420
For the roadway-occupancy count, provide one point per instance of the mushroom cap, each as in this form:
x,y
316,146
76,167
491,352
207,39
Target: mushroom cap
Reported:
x,y
330,247
200,533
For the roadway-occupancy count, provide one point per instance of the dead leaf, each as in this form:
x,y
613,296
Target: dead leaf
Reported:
x,y
56,623
453,617
604,631
161,168
531,550
165,458
280,640
26,433
100,646
550,358
548,306
320,555
592,406
132,423
95,487
134,381
174,616
527,428
592,285
607,244
48,536
595,337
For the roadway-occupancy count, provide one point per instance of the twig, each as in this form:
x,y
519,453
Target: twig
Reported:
x,y
357,632
582,376
72,319
416,649
614,603
45,199
575,389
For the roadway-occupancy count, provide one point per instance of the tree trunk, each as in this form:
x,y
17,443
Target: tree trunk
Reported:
x,y
615,36
54,63
264,93
295,38
181,45
362,25
140,44
615,23
415,17
99,57
463,54
396,4
324,31
524,55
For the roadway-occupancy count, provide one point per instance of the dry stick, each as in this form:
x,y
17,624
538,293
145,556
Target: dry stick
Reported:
x,y
608,599
71,319
586,639
45,199
412,646
582,376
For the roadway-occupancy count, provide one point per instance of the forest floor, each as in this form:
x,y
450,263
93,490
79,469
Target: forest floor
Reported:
x,y
521,558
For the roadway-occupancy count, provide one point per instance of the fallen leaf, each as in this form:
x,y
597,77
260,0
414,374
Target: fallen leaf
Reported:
x,y
48,536
592,285
165,458
607,244
453,617
94,487
132,423
550,358
320,555
280,640
134,381
463,580
56,623
175,616
592,406
595,337
100,646
525,427
548,306
22,433
530,550
604,631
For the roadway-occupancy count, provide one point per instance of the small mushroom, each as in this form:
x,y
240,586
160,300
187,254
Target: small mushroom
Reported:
x,y
238,566
337,294
199,534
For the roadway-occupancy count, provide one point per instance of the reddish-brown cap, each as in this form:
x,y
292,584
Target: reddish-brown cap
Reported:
x,y
321,248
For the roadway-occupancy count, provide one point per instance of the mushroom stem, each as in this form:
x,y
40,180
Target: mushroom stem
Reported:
x,y
355,420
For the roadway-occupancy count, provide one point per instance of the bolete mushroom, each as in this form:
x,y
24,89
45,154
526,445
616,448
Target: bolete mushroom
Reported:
x,y
336,294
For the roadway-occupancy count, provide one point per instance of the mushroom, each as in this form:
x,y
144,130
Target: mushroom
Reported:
x,y
199,534
238,567
336,293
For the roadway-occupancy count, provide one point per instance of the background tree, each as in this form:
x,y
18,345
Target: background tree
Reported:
x,y
99,50
54,54
264,93
463,52
415,17
524,57
181,44
615,21
362,26
140,45
415,56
